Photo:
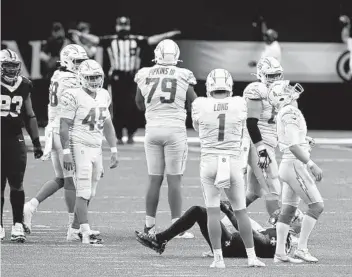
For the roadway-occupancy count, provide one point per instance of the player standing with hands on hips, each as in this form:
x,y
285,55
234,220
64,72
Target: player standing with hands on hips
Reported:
x,y
85,112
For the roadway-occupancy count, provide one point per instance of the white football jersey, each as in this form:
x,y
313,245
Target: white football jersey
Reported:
x,y
267,121
60,82
164,89
220,123
88,114
288,117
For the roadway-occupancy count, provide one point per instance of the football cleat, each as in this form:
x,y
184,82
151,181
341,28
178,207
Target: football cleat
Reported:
x,y
207,254
73,234
255,263
286,259
2,232
149,230
28,211
17,233
185,235
218,264
150,241
91,239
304,255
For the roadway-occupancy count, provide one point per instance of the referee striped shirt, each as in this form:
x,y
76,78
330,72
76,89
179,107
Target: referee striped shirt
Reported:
x,y
124,52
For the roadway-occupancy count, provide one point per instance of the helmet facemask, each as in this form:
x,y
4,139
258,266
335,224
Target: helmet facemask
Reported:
x,y
10,70
92,82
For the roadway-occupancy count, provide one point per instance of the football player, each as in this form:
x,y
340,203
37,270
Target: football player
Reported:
x,y
163,92
293,171
219,119
262,173
85,115
16,105
231,243
65,77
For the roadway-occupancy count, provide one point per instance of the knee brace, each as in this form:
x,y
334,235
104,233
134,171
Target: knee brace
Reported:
x,y
315,210
60,182
287,213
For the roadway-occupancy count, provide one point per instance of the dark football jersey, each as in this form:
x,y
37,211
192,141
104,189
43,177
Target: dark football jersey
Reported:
x,y
12,106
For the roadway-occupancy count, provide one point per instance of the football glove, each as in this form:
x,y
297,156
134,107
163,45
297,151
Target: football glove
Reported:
x,y
264,159
37,148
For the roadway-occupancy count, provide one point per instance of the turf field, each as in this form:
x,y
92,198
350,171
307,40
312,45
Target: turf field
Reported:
x,y
118,210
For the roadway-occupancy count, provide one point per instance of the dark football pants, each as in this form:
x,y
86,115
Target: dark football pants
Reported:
x,y
125,111
13,162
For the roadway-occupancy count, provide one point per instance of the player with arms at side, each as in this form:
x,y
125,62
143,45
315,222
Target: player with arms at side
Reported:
x,y
16,106
220,121
163,92
65,77
297,182
85,114
262,174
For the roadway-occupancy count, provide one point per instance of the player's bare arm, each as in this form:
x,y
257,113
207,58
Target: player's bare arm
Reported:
x,y
301,154
140,100
190,97
65,124
109,133
345,33
254,107
155,39
93,39
32,127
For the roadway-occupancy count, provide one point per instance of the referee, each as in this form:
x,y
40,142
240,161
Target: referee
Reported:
x,y
124,52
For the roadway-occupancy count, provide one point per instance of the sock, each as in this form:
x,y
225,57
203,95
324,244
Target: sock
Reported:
x,y
149,221
85,228
81,210
71,217
2,206
48,189
256,226
218,254
282,232
34,202
272,206
17,202
75,223
70,199
308,224
251,253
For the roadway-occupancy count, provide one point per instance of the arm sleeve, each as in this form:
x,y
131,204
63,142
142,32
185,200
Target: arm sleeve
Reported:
x,y
291,125
191,80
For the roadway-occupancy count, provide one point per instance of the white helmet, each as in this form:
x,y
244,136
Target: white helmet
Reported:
x,y
72,55
167,53
91,75
269,70
219,79
10,65
282,93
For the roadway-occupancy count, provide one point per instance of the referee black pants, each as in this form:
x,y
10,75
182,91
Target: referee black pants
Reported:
x,y
125,112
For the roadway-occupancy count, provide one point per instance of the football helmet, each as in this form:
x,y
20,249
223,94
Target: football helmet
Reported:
x,y
269,70
167,52
71,56
219,80
91,75
10,65
282,93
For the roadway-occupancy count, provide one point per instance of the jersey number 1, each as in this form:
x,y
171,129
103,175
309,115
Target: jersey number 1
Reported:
x,y
221,135
167,85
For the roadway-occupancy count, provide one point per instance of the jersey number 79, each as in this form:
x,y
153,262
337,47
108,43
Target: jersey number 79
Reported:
x,y
167,85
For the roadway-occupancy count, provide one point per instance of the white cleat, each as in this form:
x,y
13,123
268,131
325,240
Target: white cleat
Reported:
x,y
73,234
255,263
185,235
91,239
2,233
28,211
208,254
286,259
218,264
17,233
304,255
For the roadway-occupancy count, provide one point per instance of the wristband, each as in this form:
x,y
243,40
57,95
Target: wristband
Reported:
x,y
113,149
310,163
260,148
66,151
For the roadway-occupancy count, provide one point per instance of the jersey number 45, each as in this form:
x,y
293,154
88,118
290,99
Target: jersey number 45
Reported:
x,y
91,121
167,85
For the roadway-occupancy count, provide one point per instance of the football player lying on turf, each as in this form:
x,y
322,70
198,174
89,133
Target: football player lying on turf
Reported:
x,y
231,242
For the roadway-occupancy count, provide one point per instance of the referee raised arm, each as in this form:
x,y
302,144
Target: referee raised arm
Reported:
x,y
124,51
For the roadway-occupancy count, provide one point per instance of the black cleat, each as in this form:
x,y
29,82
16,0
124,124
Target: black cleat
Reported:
x,y
151,242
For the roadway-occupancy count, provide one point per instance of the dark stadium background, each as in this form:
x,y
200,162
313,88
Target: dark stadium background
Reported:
x,y
327,106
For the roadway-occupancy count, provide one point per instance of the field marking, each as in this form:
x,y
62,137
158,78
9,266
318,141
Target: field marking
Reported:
x,y
196,140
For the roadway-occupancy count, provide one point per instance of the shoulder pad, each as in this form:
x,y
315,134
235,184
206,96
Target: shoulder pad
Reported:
x,y
255,90
140,74
69,82
188,76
